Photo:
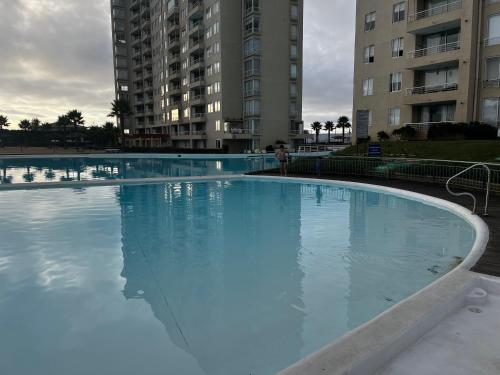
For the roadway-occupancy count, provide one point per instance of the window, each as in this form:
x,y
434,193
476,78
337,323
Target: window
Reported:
x,y
493,70
217,126
369,54
294,32
370,21
293,51
293,90
293,71
252,87
293,109
490,111
398,12
294,12
252,25
396,82
218,143
252,67
494,29
252,107
394,116
397,46
252,46
368,87
251,6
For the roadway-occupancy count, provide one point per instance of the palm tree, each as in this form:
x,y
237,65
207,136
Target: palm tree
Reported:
x,y
64,122
25,125
35,124
316,126
121,108
75,118
4,122
343,123
329,126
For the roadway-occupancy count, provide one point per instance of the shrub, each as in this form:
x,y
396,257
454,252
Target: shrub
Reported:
x,y
383,136
270,148
405,133
474,130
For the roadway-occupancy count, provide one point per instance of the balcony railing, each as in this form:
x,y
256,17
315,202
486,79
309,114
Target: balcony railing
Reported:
x,y
435,11
453,46
491,83
424,126
491,41
431,89
241,131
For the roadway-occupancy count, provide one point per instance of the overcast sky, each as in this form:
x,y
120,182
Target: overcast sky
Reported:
x,y
55,55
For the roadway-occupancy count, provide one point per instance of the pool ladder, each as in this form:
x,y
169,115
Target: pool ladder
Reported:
x,y
469,194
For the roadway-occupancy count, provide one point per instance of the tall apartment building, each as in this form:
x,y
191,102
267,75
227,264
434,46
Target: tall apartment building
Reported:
x,y
420,62
210,73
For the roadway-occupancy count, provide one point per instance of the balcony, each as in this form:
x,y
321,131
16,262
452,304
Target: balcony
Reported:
x,y
431,89
432,94
196,82
434,50
435,11
491,83
198,117
436,56
436,18
197,100
240,133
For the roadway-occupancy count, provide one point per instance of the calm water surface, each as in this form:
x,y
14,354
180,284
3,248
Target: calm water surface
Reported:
x,y
217,278
80,169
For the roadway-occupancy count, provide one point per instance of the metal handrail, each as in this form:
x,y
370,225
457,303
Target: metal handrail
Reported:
x,y
469,194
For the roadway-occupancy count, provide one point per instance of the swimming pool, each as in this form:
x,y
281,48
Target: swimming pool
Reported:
x,y
47,169
222,277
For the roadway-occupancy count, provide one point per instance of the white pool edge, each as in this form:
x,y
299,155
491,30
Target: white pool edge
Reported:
x,y
367,348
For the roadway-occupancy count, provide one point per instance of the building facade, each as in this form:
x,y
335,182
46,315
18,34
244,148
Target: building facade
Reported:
x,y
420,62
210,73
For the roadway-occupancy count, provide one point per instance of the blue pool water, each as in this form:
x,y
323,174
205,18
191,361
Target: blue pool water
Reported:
x,y
80,169
210,278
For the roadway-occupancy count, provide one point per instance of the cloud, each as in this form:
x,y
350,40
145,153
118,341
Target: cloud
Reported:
x,y
56,55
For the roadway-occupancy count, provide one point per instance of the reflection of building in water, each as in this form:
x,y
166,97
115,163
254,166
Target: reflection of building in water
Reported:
x,y
218,263
394,243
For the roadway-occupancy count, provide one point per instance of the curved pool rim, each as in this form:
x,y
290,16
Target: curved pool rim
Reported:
x,y
450,285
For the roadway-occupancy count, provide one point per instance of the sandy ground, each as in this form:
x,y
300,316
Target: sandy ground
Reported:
x,y
45,151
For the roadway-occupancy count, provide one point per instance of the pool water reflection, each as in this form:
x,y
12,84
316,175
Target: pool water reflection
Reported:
x,y
208,278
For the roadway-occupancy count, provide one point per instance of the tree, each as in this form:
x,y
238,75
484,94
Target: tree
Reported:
x,y
75,118
343,123
329,126
25,125
63,121
316,126
35,124
4,122
120,108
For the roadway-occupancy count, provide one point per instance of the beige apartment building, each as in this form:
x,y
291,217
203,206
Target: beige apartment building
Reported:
x,y
420,62
210,73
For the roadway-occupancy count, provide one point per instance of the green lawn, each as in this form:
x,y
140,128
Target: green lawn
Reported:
x,y
444,150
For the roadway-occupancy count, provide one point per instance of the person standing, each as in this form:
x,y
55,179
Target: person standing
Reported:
x,y
282,156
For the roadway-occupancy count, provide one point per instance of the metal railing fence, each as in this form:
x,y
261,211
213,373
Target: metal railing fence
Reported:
x,y
420,170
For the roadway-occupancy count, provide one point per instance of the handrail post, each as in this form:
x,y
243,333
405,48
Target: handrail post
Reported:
x,y
488,183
